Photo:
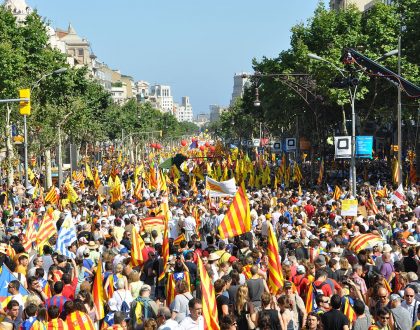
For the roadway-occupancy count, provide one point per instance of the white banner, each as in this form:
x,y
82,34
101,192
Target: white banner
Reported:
x,y
220,189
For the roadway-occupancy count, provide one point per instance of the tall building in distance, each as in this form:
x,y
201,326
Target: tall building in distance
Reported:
x,y
240,81
215,112
160,96
183,111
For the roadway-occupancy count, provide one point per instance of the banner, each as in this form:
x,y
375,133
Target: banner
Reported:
x,y
342,146
220,189
349,208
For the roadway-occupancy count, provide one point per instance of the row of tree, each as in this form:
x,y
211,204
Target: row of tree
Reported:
x,y
373,33
72,100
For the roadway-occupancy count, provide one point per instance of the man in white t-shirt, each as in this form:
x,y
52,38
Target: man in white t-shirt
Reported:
x,y
195,320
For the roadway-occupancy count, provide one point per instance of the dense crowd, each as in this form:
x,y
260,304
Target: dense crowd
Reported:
x,y
326,284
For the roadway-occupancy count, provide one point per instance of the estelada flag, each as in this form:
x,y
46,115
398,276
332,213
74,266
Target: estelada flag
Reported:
x,y
237,220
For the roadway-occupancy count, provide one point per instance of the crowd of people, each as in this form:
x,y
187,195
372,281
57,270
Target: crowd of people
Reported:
x,y
326,284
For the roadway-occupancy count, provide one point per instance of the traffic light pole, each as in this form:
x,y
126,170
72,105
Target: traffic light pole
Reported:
x,y
25,145
25,136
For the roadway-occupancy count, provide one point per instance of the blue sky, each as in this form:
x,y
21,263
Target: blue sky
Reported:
x,y
194,46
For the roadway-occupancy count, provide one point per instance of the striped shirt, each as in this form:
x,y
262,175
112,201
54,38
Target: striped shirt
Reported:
x,y
79,321
56,301
57,324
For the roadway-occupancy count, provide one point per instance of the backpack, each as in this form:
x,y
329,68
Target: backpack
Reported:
x,y
125,308
318,289
140,311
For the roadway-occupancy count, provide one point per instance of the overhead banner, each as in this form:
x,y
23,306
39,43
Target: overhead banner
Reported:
x,y
342,146
364,145
349,208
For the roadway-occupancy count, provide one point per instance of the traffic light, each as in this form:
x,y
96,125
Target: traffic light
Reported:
x,y
25,106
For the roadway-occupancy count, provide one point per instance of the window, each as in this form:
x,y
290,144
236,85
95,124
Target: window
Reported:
x,y
80,52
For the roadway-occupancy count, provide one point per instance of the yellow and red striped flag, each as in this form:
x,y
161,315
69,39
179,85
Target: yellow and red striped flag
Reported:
x,y
98,291
208,298
237,220
89,175
79,321
337,193
179,239
310,302
297,173
165,251
30,234
96,180
136,248
349,311
321,173
370,202
46,230
413,173
395,167
52,196
275,272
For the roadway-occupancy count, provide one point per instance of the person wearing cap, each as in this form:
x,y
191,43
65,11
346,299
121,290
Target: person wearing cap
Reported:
x,y
298,308
400,315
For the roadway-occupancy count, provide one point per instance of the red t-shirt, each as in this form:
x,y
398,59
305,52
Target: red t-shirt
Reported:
x,y
310,210
70,289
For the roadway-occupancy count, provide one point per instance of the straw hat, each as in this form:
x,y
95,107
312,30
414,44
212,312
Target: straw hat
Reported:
x,y
213,257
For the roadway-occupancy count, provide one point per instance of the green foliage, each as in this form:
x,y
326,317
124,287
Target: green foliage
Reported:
x,y
326,34
80,106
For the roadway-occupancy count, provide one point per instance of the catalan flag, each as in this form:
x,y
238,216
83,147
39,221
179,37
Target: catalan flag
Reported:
x,y
165,251
395,168
52,196
136,248
152,222
337,193
208,298
138,189
237,220
98,291
275,272
349,311
321,173
96,180
170,287
79,321
310,302
89,175
71,193
370,202
179,239
413,173
297,173
46,229
116,190
30,233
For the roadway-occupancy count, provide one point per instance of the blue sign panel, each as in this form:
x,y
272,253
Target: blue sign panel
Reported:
x,y
364,145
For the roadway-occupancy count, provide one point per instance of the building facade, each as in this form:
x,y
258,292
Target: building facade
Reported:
x,y
215,112
184,112
240,82
160,96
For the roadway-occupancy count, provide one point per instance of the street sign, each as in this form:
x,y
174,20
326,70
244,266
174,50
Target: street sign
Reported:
x,y
277,146
364,145
342,146
249,143
255,142
290,144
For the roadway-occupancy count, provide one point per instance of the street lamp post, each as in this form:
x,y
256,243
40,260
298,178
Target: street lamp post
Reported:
x,y
352,94
399,157
34,85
